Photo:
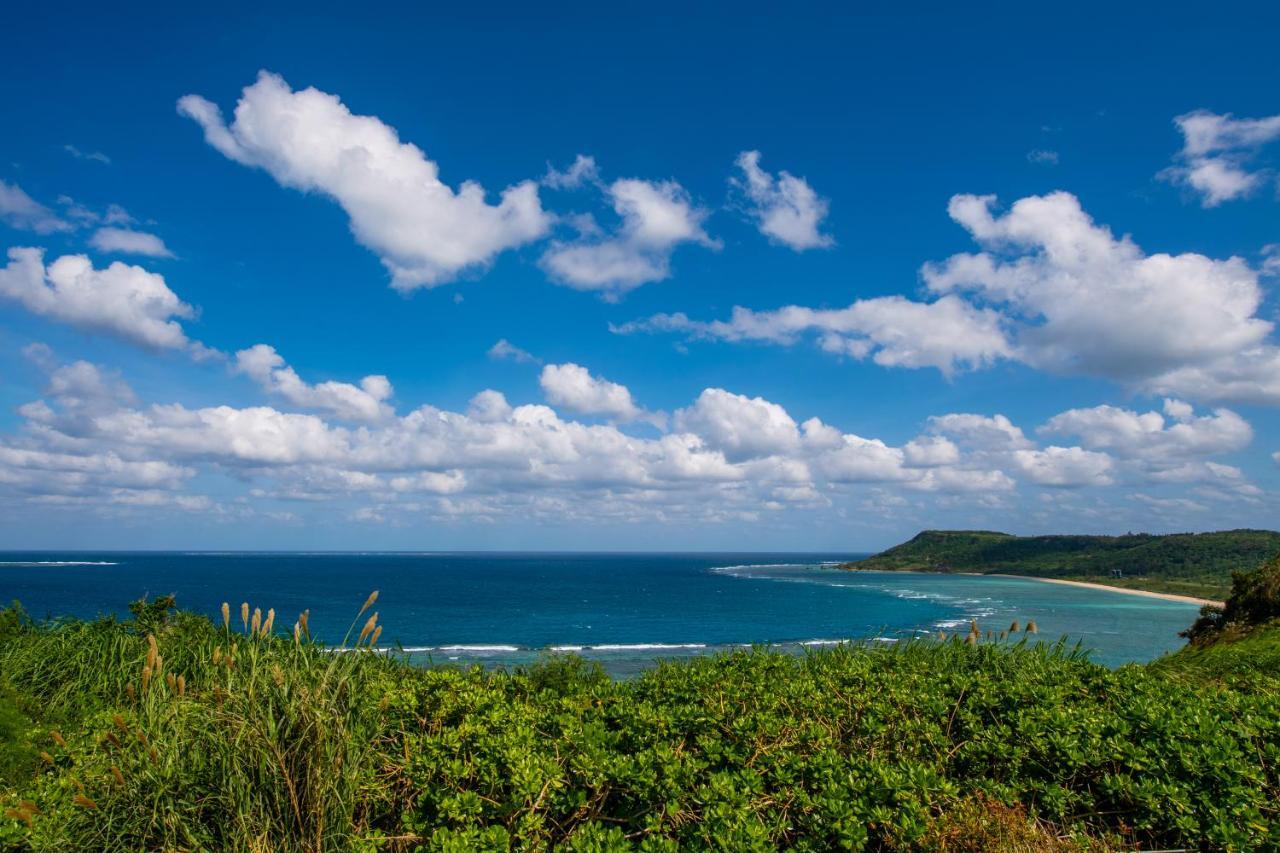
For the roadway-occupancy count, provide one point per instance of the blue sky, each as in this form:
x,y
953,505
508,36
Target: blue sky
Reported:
x,y
1009,271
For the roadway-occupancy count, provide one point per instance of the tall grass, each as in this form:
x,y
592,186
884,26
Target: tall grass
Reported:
x,y
197,736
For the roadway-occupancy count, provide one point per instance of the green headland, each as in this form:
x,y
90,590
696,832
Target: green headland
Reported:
x,y
1199,565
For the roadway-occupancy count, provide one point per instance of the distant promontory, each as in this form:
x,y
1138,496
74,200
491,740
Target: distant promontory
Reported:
x,y
1191,564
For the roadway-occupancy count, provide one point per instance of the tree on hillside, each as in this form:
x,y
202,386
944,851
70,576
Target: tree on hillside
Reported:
x,y
1254,600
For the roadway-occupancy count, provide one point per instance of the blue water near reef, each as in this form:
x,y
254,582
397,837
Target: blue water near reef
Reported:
x,y
624,610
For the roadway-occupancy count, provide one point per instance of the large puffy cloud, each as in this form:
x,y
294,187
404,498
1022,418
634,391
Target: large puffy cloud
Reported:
x,y
366,401
948,334
1215,160
424,232
785,208
126,301
656,217
740,427
1177,434
1093,303
572,387
19,210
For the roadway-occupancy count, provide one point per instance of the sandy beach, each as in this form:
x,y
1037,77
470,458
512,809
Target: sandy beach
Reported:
x,y
1168,596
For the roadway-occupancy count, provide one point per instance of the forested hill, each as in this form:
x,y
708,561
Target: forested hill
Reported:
x,y
1198,564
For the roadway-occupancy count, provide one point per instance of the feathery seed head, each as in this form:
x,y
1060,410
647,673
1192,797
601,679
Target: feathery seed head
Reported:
x,y
269,623
1031,627
368,628
226,615
244,614
84,802
373,596
117,775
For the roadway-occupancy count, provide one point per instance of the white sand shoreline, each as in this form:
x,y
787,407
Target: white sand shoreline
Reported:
x,y
1167,596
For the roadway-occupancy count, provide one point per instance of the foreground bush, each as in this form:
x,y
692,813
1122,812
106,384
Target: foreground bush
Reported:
x,y
169,732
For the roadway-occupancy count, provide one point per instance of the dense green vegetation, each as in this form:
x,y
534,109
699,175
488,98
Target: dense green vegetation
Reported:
x,y
1195,564
169,732
1254,604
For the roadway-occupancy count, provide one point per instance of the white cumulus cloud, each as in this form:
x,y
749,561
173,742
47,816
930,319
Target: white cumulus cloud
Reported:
x,y
363,402
656,217
572,387
785,208
425,232
126,301
1216,160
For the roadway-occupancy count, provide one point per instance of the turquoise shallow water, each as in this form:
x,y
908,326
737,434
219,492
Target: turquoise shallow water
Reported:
x,y
622,609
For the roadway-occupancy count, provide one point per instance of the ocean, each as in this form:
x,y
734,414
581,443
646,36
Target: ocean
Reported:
x,y
625,610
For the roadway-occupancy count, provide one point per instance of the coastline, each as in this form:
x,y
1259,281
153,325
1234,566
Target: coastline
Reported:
x,y
1167,596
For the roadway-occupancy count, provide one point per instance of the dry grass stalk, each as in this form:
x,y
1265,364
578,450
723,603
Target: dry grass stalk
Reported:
x,y
117,775
244,614
1031,627
368,627
373,638
255,625
58,738
269,623
373,596
226,616
84,802
19,814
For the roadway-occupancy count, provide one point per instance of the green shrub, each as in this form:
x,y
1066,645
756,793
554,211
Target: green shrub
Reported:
x,y
924,745
1254,601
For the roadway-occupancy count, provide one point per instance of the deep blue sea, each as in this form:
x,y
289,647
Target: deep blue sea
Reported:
x,y
505,609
